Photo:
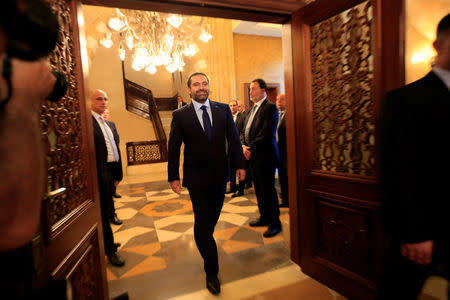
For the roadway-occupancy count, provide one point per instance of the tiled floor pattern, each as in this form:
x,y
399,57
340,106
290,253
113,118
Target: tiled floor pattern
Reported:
x,y
162,260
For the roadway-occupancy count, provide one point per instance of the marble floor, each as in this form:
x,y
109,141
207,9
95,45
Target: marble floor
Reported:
x,y
162,261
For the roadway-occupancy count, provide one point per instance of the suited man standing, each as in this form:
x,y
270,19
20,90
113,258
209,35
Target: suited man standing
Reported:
x,y
238,118
281,141
260,149
180,102
204,126
114,219
109,169
240,126
414,177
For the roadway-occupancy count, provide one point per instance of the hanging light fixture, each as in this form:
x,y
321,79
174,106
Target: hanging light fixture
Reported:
x,y
155,39
106,40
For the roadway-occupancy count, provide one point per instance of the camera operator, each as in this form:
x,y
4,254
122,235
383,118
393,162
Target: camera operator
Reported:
x,y
24,84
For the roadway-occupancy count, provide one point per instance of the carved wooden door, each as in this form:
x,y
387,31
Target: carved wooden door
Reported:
x,y
70,244
338,85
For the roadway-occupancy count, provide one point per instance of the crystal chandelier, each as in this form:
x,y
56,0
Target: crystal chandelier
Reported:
x,y
154,39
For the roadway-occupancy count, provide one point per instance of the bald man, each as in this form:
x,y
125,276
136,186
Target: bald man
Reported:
x,y
108,165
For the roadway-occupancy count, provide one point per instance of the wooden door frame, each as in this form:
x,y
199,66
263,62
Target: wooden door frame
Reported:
x,y
388,63
249,11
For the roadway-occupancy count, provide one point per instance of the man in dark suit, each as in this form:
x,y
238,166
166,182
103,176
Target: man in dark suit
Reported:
x,y
240,126
205,127
238,118
413,126
281,140
109,169
260,149
114,219
180,102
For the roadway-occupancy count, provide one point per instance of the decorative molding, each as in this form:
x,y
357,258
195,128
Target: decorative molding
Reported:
x,y
343,237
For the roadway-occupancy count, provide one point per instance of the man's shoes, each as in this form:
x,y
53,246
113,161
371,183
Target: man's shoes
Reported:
x,y
284,204
117,195
258,222
115,220
213,284
116,260
237,194
272,231
230,191
117,245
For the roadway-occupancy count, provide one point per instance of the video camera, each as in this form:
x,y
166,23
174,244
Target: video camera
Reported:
x,y
32,30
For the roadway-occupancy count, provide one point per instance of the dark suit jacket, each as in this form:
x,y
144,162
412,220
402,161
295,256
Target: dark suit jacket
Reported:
x,y
205,161
414,127
101,153
240,119
282,138
262,140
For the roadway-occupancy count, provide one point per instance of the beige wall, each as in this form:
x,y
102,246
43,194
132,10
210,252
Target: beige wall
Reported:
x,y
257,57
215,59
161,83
422,17
105,73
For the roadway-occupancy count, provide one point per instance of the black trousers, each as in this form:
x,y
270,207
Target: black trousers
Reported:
x,y
207,202
105,186
263,173
233,186
282,177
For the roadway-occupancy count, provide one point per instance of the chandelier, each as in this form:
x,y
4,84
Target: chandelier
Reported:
x,y
155,39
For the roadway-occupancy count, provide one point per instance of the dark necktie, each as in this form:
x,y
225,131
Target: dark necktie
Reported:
x,y
206,122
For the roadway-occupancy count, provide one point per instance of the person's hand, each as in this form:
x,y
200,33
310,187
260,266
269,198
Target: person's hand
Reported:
x,y
176,186
420,253
247,153
240,173
116,183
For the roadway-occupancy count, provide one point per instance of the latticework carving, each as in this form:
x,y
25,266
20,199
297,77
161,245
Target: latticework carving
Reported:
x,y
61,127
342,84
144,152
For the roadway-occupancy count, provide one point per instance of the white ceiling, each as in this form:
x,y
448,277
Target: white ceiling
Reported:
x,y
254,28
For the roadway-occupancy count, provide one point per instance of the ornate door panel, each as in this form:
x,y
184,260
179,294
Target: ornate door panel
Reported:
x,y
70,240
338,71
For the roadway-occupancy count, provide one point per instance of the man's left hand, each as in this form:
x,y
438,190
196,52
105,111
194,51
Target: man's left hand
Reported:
x,y
116,183
247,152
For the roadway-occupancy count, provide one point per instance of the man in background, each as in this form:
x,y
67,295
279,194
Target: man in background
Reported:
x,y
180,102
414,176
238,118
240,126
281,140
114,219
260,149
108,164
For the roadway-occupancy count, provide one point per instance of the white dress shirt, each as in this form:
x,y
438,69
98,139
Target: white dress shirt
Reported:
x,y
105,127
254,110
